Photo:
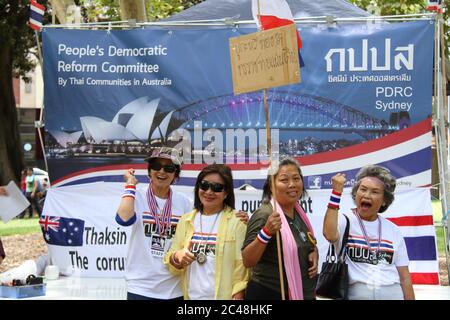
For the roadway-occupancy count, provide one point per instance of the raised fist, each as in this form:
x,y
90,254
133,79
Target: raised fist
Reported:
x,y
130,178
338,181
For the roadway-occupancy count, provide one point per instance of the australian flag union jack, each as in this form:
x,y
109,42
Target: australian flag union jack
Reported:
x,y
62,231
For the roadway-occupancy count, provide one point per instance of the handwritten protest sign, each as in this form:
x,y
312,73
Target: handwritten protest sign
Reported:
x,y
264,59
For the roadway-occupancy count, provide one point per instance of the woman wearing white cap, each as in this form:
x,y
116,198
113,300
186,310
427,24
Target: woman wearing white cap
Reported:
x,y
153,214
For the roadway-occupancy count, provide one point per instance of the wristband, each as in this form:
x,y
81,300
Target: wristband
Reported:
x,y
335,199
130,191
264,235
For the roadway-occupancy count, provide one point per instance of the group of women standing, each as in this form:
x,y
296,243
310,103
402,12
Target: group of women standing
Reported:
x,y
213,252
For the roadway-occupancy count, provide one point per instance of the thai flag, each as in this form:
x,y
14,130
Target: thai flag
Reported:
x,y
417,228
435,5
36,14
274,14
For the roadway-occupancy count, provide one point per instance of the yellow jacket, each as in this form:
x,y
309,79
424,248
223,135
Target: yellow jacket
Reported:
x,y
230,275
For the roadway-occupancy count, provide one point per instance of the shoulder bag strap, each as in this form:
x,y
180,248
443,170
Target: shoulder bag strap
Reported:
x,y
331,256
344,239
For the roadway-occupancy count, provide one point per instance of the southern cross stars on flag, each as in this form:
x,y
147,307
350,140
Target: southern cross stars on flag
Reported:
x,y
36,14
274,14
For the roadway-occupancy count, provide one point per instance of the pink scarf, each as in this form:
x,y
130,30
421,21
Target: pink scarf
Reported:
x,y
290,253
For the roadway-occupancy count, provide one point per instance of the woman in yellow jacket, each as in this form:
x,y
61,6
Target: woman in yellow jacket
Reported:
x,y
206,250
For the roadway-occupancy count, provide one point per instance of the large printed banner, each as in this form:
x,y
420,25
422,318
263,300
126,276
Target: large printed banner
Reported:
x,y
84,239
365,98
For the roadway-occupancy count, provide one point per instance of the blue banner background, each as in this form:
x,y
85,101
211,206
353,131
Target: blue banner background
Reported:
x,y
198,67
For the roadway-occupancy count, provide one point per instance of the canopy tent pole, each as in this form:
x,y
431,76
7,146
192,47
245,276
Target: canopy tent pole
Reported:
x,y
440,124
234,22
444,104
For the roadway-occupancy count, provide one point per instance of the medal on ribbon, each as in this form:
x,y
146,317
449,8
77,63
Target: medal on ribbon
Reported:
x,y
201,257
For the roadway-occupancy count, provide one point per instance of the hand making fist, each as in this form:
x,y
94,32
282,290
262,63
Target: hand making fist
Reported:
x,y
273,223
130,178
338,181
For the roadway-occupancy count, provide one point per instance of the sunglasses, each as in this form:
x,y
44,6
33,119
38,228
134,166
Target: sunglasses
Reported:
x,y
215,187
169,168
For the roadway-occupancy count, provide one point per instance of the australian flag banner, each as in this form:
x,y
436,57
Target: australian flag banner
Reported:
x,y
62,231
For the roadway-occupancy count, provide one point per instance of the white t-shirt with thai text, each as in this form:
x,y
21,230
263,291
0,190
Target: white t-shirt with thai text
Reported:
x,y
146,273
363,266
204,239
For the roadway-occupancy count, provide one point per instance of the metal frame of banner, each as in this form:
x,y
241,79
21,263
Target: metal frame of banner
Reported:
x,y
440,119
440,124
233,21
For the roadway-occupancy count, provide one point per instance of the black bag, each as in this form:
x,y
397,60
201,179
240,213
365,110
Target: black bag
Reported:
x,y
333,278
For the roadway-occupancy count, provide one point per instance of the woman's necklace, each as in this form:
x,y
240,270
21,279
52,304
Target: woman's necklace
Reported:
x,y
162,217
201,256
308,236
374,259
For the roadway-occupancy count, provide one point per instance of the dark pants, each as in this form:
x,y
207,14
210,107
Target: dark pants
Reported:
x,y
133,296
33,203
255,291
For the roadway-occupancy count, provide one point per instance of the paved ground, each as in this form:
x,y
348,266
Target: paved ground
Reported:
x,y
428,292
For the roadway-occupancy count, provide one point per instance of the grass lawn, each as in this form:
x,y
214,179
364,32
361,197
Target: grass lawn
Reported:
x,y
437,218
20,226
440,240
437,210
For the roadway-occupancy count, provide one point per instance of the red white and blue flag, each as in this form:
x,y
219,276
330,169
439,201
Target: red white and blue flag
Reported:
x,y
273,14
435,5
61,231
36,14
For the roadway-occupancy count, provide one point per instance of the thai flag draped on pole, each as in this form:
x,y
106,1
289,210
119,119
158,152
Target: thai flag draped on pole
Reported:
x,y
274,14
36,14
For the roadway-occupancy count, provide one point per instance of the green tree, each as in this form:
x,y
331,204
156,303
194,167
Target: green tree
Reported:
x,y
397,7
17,42
109,10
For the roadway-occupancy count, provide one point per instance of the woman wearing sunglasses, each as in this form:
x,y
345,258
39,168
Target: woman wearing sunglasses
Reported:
x,y
153,213
206,248
299,251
